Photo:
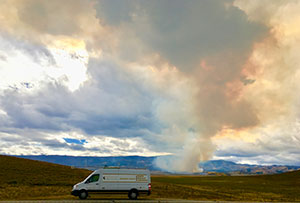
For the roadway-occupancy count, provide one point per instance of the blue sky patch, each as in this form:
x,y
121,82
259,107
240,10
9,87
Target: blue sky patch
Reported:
x,y
74,141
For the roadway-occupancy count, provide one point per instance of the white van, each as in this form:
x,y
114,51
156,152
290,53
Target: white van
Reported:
x,y
135,182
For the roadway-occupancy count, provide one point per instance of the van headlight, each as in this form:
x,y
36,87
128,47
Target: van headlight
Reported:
x,y
74,187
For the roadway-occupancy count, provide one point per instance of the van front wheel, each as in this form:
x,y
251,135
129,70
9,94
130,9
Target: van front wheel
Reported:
x,y
133,194
83,194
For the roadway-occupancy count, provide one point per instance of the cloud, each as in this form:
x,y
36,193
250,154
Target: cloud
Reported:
x,y
38,15
275,143
116,102
90,108
151,77
39,53
54,18
36,142
184,32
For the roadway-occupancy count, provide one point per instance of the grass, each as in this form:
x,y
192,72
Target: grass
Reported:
x,y
283,187
27,179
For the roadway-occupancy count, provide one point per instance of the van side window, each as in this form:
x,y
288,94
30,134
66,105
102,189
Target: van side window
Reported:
x,y
93,178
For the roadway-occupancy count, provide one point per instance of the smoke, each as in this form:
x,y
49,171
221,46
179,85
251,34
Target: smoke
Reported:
x,y
208,42
217,104
195,149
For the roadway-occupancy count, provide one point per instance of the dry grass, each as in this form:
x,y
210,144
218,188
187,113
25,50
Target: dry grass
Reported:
x,y
27,179
283,187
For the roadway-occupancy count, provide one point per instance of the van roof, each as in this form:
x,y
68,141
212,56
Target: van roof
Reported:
x,y
118,167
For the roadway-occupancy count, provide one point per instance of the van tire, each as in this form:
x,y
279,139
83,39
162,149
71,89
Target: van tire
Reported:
x,y
83,194
133,194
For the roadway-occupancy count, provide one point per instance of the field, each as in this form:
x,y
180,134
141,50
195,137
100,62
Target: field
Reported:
x,y
284,187
27,179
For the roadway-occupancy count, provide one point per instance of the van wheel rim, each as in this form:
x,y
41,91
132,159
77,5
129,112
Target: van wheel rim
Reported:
x,y
83,194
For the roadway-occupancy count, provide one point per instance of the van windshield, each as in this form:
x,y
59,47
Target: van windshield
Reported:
x,y
93,178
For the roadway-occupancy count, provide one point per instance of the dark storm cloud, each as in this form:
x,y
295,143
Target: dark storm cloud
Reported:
x,y
114,102
116,12
34,111
184,31
116,126
52,143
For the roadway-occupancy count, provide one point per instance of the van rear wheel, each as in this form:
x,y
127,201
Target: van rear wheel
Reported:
x,y
83,194
133,194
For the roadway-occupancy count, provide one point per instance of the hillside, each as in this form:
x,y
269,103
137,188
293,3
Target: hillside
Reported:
x,y
23,178
28,179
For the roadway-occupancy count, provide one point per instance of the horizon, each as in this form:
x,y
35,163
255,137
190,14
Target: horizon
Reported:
x,y
211,160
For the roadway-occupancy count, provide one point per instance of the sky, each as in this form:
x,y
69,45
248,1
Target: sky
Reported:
x,y
197,79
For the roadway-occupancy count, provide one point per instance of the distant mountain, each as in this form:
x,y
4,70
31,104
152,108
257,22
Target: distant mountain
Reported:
x,y
230,167
219,166
93,163
209,167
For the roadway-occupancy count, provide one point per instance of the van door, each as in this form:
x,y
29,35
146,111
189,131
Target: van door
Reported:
x,y
110,180
92,184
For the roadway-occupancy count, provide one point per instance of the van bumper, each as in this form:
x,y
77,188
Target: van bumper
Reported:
x,y
75,192
144,192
